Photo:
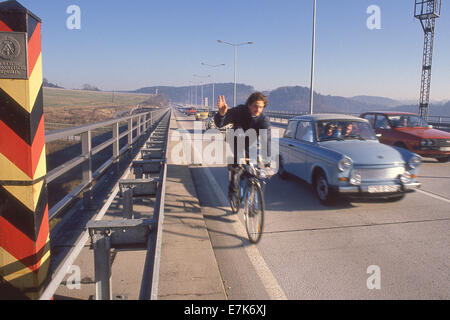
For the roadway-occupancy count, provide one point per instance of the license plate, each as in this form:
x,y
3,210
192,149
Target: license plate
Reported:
x,y
446,149
383,189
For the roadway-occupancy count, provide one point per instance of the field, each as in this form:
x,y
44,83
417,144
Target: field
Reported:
x,y
69,108
65,108
79,98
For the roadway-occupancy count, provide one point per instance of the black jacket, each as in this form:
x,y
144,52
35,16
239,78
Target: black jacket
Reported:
x,y
241,118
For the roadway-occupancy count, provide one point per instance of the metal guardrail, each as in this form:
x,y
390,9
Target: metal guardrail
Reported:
x,y
140,122
439,122
143,121
150,276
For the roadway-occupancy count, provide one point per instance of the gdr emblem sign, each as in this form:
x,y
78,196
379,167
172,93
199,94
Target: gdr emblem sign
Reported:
x,y
13,55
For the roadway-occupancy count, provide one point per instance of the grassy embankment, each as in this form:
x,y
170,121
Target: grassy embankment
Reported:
x,y
70,108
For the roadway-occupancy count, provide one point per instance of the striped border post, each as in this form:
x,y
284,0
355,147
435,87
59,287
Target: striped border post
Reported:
x,y
24,227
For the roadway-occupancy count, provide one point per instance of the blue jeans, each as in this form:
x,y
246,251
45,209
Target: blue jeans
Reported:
x,y
235,178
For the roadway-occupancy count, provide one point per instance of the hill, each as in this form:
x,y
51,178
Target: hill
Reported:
x,y
386,102
186,94
436,109
295,99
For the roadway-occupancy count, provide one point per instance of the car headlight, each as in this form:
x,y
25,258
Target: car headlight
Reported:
x,y
406,177
355,179
415,162
427,143
345,164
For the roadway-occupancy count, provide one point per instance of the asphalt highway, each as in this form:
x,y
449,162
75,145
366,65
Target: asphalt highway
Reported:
x,y
351,250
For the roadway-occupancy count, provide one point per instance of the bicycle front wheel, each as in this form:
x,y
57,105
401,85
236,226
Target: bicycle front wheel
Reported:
x,y
254,213
235,202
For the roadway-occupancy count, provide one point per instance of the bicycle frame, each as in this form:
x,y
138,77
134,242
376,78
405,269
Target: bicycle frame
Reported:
x,y
246,180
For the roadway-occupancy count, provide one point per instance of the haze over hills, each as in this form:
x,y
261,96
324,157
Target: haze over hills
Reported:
x,y
293,99
386,102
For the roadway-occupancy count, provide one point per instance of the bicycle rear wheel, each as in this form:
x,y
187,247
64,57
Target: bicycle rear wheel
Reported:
x,y
254,213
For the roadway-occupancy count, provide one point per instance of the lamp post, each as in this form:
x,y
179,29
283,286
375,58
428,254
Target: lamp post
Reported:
x,y
191,92
208,76
235,56
311,106
213,78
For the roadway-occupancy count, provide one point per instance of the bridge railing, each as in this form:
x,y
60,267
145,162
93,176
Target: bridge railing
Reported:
x,y
139,123
439,122
142,125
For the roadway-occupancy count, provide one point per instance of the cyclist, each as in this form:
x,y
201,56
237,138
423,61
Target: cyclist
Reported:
x,y
245,117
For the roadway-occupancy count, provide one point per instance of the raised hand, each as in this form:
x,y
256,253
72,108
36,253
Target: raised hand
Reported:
x,y
222,106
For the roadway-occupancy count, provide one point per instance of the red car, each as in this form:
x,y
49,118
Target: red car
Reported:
x,y
409,131
191,111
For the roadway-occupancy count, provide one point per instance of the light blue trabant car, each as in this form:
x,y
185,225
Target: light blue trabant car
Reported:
x,y
340,155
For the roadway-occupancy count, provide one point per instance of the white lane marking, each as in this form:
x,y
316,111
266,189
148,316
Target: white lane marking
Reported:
x,y
434,195
268,280
264,273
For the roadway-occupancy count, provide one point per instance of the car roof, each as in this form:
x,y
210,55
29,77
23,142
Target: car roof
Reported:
x,y
327,116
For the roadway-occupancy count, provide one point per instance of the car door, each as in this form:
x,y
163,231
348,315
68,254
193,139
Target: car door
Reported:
x,y
383,127
299,155
287,144
371,118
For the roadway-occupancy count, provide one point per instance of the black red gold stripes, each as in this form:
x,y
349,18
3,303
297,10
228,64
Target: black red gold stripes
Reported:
x,y
13,115
24,228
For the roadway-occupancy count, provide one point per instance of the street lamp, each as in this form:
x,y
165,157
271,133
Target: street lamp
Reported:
x,y
191,92
235,55
213,94
311,106
208,76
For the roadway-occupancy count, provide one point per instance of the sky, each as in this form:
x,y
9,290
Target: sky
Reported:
x,y
126,45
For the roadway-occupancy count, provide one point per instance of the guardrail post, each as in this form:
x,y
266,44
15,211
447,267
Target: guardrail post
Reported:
x,y
128,204
116,146
24,228
86,147
145,123
139,124
130,133
102,265
116,143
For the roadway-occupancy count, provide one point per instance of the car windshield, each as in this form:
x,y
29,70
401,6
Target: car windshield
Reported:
x,y
344,130
407,121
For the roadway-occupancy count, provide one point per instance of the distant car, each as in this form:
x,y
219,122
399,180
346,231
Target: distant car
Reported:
x,y
201,115
409,131
190,111
340,155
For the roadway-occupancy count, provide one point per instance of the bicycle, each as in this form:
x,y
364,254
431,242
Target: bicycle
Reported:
x,y
251,196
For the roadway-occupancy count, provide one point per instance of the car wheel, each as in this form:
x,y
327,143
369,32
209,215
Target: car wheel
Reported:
x,y
443,159
322,189
282,173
